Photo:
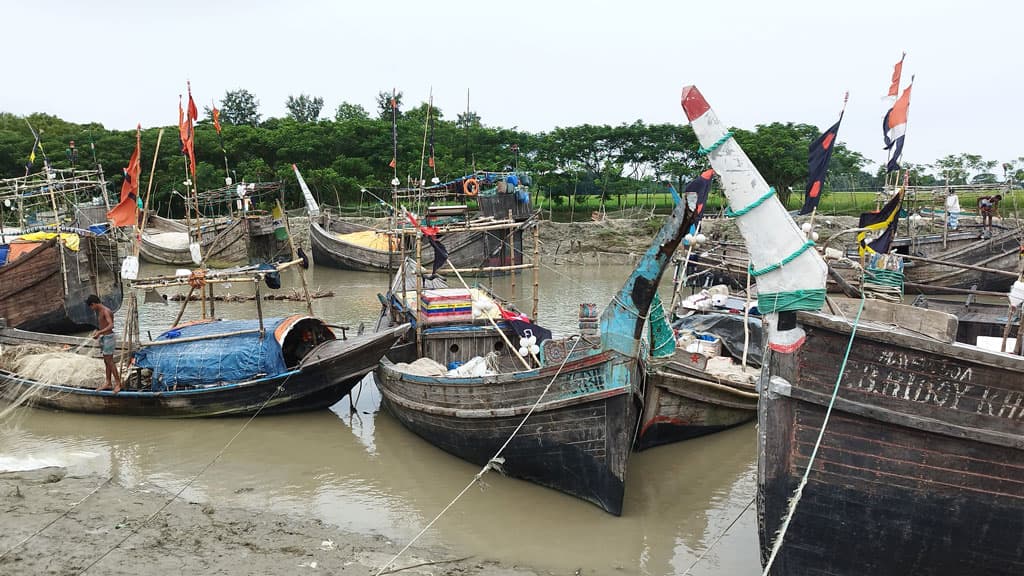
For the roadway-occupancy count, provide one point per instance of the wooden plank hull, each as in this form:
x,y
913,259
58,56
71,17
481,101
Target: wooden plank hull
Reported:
x,y
222,246
36,295
679,406
325,376
466,249
577,441
921,469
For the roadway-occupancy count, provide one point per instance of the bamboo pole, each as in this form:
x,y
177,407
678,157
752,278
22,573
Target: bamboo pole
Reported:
x,y
536,269
198,338
959,265
184,304
419,293
1006,330
295,256
512,256
149,190
259,306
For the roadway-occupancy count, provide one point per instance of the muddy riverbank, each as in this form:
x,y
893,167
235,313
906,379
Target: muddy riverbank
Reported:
x,y
55,523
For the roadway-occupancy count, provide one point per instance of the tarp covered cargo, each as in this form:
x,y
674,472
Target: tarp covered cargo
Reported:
x,y
216,359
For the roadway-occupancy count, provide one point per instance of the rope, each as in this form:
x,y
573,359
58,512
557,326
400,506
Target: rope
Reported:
x,y
52,522
730,214
884,284
814,453
769,302
772,267
705,151
197,279
188,484
493,462
720,536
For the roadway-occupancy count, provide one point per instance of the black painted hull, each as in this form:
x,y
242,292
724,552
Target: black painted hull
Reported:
x,y
576,446
921,468
325,376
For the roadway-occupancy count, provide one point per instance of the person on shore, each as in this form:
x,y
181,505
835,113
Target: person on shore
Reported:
x,y
988,206
952,210
105,334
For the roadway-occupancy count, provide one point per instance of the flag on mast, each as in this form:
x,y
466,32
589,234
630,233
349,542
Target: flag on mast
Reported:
x,y
818,158
886,220
894,126
696,193
894,87
126,213
216,119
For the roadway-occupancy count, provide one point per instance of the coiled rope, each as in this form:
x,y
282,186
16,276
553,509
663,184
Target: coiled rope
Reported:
x,y
817,444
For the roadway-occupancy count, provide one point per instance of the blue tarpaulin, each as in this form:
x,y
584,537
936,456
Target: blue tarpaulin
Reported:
x,y
214,360
4,249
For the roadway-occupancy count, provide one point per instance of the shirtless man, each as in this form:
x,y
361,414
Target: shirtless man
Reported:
x,y
105,334
988,206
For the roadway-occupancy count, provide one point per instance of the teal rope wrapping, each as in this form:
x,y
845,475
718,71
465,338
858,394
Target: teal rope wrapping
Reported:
x,y
770,302
892,278
705,151
761,272
730,214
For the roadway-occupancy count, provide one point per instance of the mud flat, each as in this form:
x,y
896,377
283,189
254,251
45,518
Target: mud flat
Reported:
x,y
54,523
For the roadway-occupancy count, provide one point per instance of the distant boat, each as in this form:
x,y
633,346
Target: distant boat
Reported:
x,y
580,399
47,271
919,468
166,242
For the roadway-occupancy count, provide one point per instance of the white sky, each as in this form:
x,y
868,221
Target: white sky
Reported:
x,y
536,64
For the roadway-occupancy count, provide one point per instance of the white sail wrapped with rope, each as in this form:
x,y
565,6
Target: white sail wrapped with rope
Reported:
x,y
790,273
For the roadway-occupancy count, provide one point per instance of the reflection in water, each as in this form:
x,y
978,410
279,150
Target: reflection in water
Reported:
x,y
361,470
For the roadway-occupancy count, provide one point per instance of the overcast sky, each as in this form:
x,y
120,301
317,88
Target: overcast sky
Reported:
x,y
536,64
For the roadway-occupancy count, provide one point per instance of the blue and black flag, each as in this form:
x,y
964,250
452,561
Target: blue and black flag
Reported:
x,y
885,220
820,154
696,193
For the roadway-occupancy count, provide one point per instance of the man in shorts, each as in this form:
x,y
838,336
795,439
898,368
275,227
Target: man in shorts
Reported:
x,y
988,206
105,334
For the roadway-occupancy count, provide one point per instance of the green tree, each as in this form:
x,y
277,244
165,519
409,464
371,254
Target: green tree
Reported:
x,y
384,104
779,150
347,112
240,107
304,108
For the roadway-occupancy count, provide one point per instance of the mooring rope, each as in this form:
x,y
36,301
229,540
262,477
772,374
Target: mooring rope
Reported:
x,y
188,484
720,536
492,463
54,521
817,444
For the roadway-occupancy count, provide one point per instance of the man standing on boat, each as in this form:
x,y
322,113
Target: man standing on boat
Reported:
x,y
105,334
987,207
952,210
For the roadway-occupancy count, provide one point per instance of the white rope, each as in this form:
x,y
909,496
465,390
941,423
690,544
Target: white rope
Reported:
x,y
720,536
814,453
490,464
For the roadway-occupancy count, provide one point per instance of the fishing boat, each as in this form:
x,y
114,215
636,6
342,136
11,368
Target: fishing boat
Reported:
x,y
884,447
564,419
974,318
492,239
695,387
52,265
166,241
198,369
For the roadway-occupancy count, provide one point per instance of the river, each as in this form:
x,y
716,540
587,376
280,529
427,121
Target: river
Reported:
x,y
356,467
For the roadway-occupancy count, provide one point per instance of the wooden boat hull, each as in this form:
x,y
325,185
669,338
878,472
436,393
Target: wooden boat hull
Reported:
x,y
323,377
577,441
920,469
680,404
36,294
222,246
466,249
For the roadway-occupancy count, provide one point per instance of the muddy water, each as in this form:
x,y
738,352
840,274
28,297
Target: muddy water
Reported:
x,y
358,468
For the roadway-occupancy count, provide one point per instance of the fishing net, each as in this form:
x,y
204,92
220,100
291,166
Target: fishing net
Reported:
x,y
47,365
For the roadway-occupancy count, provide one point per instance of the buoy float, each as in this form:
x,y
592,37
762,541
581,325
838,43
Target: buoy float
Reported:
x,y
471,187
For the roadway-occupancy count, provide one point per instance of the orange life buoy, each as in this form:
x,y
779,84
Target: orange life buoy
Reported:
x,y
471,187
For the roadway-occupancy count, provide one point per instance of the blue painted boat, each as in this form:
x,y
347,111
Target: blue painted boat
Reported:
x,y
580,404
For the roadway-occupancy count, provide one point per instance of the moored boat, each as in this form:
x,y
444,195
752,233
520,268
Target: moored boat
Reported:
x,y
47,270
212,368
166,241
883,447
566,421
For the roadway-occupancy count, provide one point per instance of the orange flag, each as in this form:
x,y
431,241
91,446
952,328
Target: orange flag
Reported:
x,y
126,213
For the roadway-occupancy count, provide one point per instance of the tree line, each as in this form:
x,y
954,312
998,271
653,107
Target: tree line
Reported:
x,y
341,156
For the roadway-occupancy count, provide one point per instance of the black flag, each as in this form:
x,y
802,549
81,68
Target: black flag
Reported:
x,y
885,219
820,153
440,252
697,190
